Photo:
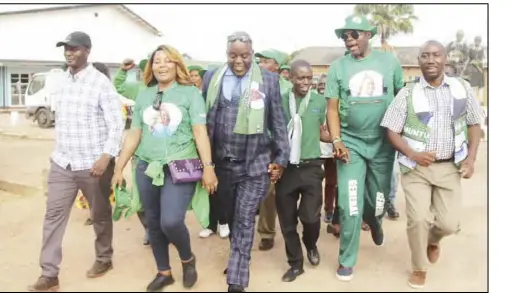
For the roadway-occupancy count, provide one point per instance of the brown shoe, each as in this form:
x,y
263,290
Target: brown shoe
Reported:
x,y
417,279
433,253
99,269
45,284
266,244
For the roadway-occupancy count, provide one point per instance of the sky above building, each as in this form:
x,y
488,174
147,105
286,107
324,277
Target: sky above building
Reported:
x,y
201,30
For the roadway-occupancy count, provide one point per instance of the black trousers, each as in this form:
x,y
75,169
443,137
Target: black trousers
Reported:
x,y
303,180
219,203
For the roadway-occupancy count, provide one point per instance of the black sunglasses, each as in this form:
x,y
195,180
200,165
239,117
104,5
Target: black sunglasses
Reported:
x,y
354,34
157,101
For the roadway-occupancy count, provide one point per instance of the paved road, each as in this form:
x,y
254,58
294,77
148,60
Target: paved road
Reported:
x,y
463,265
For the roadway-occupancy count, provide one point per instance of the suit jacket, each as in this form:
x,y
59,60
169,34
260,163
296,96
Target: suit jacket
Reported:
x,y
261,148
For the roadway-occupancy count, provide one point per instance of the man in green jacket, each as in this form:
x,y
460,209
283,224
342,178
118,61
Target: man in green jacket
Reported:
x,y
285,71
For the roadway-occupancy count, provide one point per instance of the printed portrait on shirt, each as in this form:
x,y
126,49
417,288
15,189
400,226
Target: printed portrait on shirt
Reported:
x,y
163,123
366,84
257,97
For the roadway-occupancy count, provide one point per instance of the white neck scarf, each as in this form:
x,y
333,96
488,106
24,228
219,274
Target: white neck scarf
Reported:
x,y
295,127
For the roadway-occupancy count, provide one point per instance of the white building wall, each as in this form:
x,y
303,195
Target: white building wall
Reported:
x,y
114,34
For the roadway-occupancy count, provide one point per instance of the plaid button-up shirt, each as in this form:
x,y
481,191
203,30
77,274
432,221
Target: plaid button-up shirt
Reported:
x,y
89,121
441,138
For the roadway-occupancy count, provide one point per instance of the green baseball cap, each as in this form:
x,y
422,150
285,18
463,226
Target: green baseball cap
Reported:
x,y
200,69
356,22
285,67
279,57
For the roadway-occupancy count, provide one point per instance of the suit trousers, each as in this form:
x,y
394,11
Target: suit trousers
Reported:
x,y
242,195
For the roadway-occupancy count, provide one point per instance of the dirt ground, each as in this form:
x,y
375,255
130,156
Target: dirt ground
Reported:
x,y
462,267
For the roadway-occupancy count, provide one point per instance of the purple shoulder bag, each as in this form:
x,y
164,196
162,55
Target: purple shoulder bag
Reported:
x,y
188,170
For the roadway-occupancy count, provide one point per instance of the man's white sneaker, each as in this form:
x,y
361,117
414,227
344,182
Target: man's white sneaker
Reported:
x,y
224,231
205,233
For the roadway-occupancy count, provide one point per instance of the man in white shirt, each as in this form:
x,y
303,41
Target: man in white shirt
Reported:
x,y
89,129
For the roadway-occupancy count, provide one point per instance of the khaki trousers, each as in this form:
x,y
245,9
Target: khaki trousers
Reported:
x,y
268,214
433,197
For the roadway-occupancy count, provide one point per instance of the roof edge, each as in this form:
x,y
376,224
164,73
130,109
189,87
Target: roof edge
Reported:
x,y
77,6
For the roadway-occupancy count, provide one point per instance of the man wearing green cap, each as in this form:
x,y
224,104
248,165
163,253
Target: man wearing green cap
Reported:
x,y
273,61
359,88
196,74
127,82
270,60
284,72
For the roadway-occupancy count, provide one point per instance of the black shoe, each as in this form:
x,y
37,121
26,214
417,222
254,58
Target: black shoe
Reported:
x,y
189,274
160,282
266,244
313,256
328,217
392,213
236,288
378,236
292,274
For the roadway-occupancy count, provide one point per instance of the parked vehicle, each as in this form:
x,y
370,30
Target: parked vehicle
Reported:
x,y
40,105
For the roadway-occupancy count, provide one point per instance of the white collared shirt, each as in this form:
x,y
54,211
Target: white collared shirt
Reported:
x,y
89,121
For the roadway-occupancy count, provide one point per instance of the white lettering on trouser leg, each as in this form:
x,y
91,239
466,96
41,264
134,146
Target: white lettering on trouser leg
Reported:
x,y
379,204
353,197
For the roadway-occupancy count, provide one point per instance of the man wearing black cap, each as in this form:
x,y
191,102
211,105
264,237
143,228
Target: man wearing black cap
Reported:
x,y
89,130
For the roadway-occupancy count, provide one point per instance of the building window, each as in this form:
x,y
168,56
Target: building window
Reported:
x,y
19,83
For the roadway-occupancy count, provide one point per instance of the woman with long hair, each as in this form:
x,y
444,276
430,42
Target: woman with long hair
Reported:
x,y
164,194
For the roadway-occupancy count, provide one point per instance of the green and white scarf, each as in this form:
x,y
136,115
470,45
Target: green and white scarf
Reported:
x,y
251,112
295,126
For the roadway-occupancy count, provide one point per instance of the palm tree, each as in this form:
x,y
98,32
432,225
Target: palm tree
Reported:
x,y
390,19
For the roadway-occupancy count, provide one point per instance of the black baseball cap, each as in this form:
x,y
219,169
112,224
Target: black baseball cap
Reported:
x,y
76,39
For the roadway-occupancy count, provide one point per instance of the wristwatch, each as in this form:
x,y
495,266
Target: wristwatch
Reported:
x,y
336,139
209,164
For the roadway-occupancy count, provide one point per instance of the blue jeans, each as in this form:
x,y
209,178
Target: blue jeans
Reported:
x,y
165,211
394,181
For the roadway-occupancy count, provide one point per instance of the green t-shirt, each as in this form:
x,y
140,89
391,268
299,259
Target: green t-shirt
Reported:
x,y
365,88
169,130
313,117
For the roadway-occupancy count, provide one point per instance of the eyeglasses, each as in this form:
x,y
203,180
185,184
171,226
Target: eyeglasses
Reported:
x,y
354,34
241,38
157,101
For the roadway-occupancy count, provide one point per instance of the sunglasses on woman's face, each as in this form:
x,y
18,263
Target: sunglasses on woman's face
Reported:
x,y
354,34
157,101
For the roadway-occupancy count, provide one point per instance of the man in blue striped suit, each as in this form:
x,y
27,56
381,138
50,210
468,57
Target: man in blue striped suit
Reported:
x,y
243,105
